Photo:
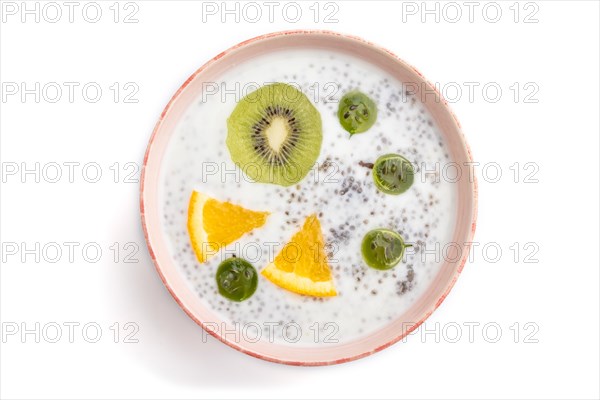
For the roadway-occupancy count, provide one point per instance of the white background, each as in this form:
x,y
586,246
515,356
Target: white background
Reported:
x,y
558,296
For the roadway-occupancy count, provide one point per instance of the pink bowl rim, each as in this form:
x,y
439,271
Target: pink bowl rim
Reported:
x,y
402,335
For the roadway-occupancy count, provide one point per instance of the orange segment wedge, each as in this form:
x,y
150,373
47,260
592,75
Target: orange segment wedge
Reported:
x,y
301,265
213,224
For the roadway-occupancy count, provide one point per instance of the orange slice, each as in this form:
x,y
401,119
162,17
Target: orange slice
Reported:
x,y
213,224
301,265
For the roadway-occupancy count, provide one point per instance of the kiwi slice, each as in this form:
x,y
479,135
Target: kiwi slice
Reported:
x,y
274,134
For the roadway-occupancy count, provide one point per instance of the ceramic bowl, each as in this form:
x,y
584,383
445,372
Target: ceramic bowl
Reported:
x,y
176,282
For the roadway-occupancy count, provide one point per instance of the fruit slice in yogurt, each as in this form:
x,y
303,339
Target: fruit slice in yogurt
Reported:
x,y
357,112
301,266
236,279
213,224
393,174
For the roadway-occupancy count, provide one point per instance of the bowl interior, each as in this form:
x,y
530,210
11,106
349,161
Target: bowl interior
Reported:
x,y
448,126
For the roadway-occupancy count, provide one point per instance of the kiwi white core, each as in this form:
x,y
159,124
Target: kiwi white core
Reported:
x,y
276,133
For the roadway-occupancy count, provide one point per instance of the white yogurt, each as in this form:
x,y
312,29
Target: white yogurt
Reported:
x,y
338,189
